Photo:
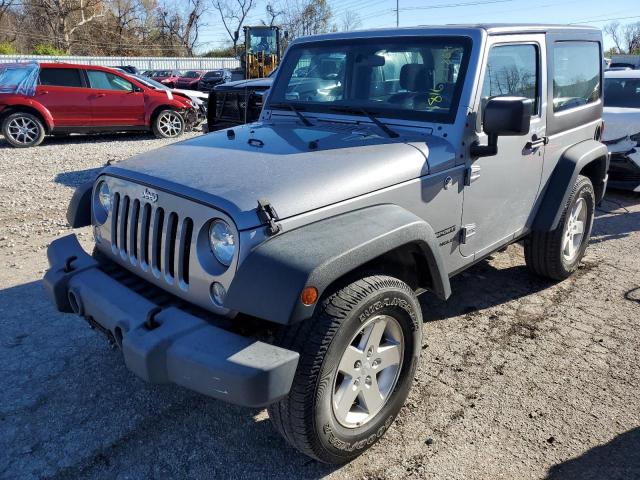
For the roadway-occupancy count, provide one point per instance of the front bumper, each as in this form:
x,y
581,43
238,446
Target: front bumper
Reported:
x,y
167,345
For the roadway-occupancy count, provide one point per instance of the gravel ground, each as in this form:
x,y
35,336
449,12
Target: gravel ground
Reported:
x,y
519,378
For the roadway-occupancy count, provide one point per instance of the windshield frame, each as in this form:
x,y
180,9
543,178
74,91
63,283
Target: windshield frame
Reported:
x,y
287,66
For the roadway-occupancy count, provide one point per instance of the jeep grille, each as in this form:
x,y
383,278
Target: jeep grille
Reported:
x,y
163,238
151,238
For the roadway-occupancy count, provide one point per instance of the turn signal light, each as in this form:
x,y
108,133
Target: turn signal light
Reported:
x,y
309,296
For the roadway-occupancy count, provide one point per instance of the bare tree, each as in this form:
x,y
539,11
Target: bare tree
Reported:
x,y
613,30
350,21
233,13
181,28
631,34
64,17
272,14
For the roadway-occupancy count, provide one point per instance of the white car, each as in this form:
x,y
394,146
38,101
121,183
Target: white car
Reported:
x,y
622,127
199,99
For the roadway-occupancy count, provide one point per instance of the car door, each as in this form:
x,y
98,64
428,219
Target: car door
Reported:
x,y
62,91
501,190
115,101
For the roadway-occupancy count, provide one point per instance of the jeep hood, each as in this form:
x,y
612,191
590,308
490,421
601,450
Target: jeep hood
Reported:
x,y
297,169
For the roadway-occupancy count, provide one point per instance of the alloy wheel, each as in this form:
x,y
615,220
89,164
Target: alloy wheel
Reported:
x,y
574,233
170,124
23,130
368,371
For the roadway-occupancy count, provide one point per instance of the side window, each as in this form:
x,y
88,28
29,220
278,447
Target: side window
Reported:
x,y
60,77
512,70
108,81
576,74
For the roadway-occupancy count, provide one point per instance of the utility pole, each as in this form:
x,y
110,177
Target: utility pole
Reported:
x,y
397,13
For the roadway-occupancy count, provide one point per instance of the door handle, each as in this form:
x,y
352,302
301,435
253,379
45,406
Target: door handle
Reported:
x,y
44,92
536,142
100,95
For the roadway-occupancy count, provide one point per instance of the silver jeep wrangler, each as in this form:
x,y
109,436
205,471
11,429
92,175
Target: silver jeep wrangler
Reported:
x,y
278,263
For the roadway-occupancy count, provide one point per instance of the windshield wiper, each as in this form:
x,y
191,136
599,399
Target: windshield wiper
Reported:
x,y
371,117
291,107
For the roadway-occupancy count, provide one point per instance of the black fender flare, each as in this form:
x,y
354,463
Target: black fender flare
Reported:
x,y
79,210
269,281
564,176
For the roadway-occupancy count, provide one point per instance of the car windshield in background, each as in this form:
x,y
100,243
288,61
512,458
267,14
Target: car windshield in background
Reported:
x,y
214,73
418,78
191,74
622,92
150,82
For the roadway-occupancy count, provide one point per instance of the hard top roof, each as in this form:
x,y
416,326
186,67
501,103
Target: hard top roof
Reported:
x,y
489,28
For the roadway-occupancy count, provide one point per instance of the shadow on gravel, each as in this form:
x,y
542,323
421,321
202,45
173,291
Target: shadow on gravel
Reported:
x,y
70,409
78,177
613,220
90,138
480,287
617,460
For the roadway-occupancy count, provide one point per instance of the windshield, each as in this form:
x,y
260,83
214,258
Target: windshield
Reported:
x,y
191,74
622,92
213,73
417,78
262,40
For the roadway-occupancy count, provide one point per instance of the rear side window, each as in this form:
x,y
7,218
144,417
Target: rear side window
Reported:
x,y
576,74
60,77
108,81
512,70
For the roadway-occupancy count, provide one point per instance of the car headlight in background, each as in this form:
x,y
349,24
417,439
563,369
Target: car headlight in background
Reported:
x,y
222,241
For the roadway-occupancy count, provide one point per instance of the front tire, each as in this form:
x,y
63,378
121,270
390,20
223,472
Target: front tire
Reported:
x,y
168,124
557,254
22,130
358,356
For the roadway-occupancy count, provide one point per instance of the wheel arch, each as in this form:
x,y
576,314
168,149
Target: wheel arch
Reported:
x,y
589,158
156,111
43,114
380,239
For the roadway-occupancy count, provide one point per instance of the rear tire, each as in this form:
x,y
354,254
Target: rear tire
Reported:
x,y
168,124
358,356
22,130
557,254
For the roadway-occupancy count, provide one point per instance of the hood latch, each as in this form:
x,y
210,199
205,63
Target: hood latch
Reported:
x,y
267,214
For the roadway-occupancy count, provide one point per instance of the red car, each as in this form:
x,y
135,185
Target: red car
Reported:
x,y
86,98
166,77
189,79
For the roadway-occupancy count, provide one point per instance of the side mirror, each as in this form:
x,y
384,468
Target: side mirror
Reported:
x,y
503,116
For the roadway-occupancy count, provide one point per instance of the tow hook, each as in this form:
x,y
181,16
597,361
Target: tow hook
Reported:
x,y
68,264
151,323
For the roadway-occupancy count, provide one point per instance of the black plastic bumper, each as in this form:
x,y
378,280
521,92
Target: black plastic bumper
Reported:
x,y
175,347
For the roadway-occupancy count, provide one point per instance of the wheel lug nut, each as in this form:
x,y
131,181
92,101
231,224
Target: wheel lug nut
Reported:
x,y
376,362
367,381
356,382
369,352
357,365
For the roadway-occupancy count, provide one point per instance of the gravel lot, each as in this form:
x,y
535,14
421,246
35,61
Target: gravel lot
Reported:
x,y
519,378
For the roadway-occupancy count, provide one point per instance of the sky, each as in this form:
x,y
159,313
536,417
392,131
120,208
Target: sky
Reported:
x,y
381,13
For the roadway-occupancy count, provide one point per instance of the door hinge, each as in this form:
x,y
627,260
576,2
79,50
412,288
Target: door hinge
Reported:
x,y
472,174
267,214
466,232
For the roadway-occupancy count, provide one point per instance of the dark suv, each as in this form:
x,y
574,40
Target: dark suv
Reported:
x,y
212,78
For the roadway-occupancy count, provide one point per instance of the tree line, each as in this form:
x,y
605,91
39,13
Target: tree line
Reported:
x,y
626,38
151,27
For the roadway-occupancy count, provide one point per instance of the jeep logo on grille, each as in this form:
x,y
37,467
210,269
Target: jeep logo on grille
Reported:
x,y
150,195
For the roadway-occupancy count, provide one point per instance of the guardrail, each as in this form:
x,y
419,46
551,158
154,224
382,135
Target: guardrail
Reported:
x,y
142,63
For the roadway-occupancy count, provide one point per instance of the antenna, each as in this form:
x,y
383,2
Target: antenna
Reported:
x,y
397,13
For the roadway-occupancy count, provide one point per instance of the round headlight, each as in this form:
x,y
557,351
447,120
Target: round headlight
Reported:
x,y
104,197
222,241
